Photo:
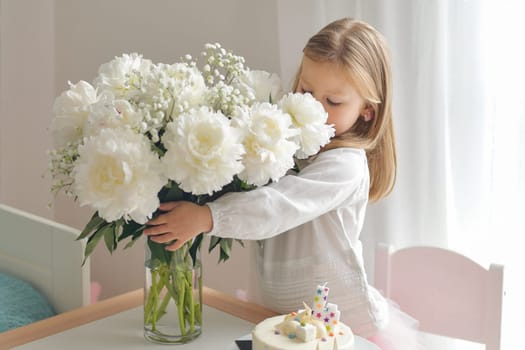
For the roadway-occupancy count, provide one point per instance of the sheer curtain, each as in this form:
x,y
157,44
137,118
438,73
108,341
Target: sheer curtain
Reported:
x,y
459,109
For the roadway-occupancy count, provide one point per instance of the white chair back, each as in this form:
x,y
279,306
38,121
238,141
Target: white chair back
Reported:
x,y
47,255
448,293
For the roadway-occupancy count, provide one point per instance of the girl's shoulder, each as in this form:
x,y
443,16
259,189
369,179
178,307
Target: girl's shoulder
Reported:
x,y
345,151
343,159
341,155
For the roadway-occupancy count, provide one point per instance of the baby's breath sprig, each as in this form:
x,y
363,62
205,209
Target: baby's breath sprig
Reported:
x,y
220,73
62,162
221,65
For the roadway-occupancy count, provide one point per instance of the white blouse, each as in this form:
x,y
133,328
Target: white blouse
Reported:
x,y
308,228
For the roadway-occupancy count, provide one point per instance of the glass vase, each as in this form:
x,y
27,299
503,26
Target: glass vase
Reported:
x,y
172,294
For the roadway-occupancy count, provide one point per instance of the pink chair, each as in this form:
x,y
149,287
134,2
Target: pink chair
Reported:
x,y
449,294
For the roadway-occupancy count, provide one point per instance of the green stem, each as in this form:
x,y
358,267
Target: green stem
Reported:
x,y
180,309
189,302
175,278
198,306
164,282
162,308
151,304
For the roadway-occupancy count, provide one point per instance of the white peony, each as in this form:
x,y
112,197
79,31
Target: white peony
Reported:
x,y
124,75
203,151
118,175
269,152
113,114
309,117
71,110
261,86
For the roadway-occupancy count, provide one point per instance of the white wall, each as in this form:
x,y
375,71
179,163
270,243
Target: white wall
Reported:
x,y
45,43
26,95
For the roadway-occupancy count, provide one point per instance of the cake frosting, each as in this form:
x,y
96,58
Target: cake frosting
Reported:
x,y
316,328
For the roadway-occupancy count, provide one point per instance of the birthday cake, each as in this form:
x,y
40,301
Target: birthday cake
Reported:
x,y
315,328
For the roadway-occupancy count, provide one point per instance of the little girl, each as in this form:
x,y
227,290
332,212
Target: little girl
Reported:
x,y
308,224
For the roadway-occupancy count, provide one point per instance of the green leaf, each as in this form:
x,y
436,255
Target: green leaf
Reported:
x,y
131,228
132,242
214,240
173,194
94,224
94,239
195,246
226,246
246,186
110,237
223,256
159,253
157,149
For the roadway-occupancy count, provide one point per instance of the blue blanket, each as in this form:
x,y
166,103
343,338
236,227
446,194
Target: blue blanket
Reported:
x,y
20,303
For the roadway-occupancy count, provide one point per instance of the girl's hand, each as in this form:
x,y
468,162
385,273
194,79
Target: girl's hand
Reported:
x,y
181,222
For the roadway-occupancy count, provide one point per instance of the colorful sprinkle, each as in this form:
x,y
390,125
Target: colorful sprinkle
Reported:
x,y
291,335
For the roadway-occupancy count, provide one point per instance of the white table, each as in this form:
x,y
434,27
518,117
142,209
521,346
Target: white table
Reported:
x,y
124,331
117,324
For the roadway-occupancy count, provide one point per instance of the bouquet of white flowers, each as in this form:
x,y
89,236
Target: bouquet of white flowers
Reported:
x,y
144,133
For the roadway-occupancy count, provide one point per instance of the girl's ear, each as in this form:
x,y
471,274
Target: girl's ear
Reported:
x,y
367,113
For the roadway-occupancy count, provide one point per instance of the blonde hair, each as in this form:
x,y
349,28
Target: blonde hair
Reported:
x,y
362,51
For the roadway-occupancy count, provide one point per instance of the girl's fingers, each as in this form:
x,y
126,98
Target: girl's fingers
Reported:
x,y
156,230
165,238
163,218
167,206
157,221
175,245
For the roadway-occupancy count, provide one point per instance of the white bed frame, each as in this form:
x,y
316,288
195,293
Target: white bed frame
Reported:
x,y
45,254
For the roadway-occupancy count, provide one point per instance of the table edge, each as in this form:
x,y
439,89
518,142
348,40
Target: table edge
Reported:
x,y
247,311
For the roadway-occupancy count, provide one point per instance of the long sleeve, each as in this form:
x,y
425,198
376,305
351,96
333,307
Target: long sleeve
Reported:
x,y
334,179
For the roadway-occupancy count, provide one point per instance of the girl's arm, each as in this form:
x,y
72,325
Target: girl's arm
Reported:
x,y
336,178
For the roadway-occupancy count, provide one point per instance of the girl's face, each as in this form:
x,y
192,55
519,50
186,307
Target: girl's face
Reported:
x,y
331,86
